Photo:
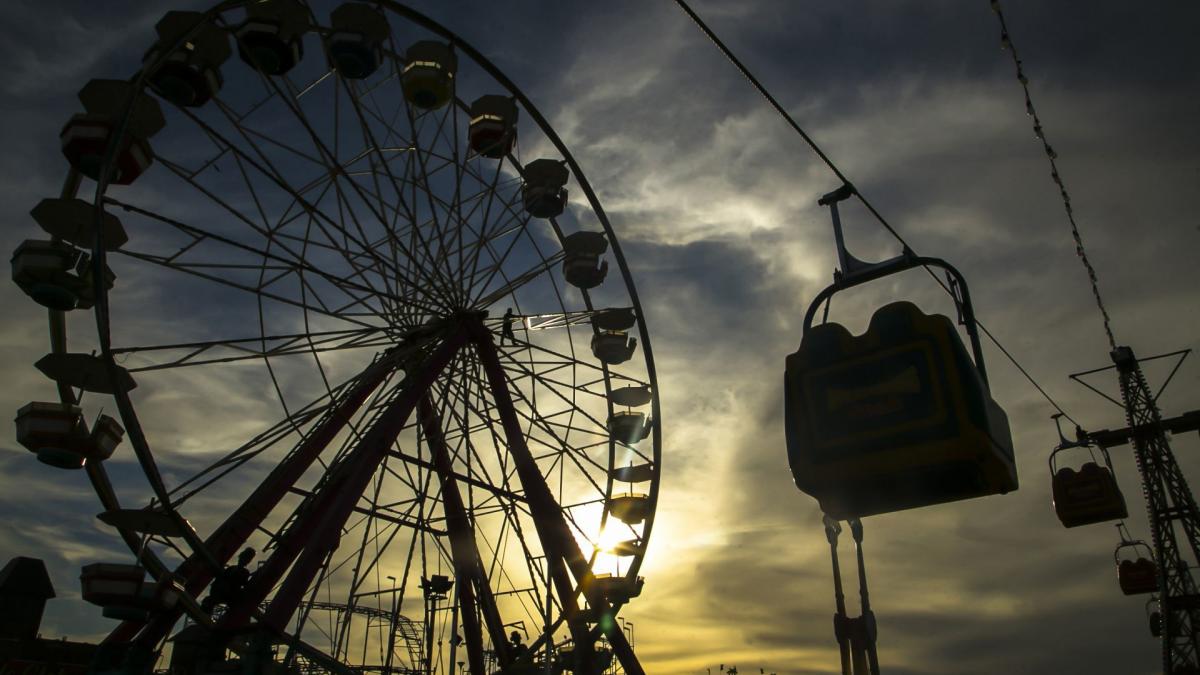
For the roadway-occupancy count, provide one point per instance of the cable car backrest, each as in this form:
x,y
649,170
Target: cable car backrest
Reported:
x,y
907,380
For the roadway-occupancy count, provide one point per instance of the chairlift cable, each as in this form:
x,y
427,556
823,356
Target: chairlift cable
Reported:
x,y
870,207
1006,44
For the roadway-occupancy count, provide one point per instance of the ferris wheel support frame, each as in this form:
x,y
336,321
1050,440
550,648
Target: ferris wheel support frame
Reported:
x,y
332,504
556,535
468,566
237,528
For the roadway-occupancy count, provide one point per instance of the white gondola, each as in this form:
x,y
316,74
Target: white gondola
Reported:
x,y
618,589
124,592
582,266
55,275
631,396
492,130
44,271
631,508
85,137
428,75
629,427
613,347
58,435
356,44
544,192
187,58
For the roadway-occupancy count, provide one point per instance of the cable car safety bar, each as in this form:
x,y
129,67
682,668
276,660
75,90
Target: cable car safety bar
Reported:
x,y
854,272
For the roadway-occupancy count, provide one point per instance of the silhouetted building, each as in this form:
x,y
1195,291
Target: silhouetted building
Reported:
x,y
24,589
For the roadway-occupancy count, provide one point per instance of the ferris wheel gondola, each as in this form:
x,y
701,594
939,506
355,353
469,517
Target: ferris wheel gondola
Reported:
x,y
312,260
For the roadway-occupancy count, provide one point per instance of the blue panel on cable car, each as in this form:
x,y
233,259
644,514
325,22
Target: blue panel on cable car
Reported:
x,y
893,419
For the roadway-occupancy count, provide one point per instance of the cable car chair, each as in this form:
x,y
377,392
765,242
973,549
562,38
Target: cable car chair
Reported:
x,y
1136,571
1089,494
898,417
1154,617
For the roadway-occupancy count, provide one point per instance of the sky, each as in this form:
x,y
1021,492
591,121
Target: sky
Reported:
x,y
713,200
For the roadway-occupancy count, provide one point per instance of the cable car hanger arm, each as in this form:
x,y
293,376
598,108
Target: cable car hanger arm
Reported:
x,y
855,272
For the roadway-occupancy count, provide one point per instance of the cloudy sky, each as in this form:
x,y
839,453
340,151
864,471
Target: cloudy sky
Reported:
x,y
713,199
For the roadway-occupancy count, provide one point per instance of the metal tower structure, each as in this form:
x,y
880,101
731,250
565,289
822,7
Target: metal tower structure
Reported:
x,y
1171,509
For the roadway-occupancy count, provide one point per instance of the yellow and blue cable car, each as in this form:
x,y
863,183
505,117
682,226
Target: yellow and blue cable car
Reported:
x,y
896,418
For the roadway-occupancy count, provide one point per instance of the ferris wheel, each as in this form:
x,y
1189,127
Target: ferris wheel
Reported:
x,y
357,308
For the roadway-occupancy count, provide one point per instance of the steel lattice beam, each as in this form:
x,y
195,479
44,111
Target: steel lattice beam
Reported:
x,y
467,564
1169,503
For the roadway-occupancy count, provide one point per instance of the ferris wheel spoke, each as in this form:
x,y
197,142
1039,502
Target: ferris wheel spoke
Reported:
x,y
371,151
320,217
421,186
558,445
283,345
158,260
484,238
553,356
477,404
353,290
515,224
365,111
329,159
496,268
512,285
484,243
514,506
555,387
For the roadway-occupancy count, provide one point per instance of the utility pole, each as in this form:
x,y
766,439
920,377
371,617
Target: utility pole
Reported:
x,y
395,617
435,588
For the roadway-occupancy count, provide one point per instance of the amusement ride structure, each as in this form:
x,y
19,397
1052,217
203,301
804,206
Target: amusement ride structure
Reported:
x,y
392,352
452,409
901,417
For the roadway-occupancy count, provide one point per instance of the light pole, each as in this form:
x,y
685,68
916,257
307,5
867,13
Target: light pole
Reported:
x,y
391,649
435,588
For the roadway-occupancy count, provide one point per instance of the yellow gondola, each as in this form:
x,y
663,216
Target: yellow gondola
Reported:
x,y
898,417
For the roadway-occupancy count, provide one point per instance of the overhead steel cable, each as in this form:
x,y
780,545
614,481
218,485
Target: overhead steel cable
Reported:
x,y
1006,44
865,202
